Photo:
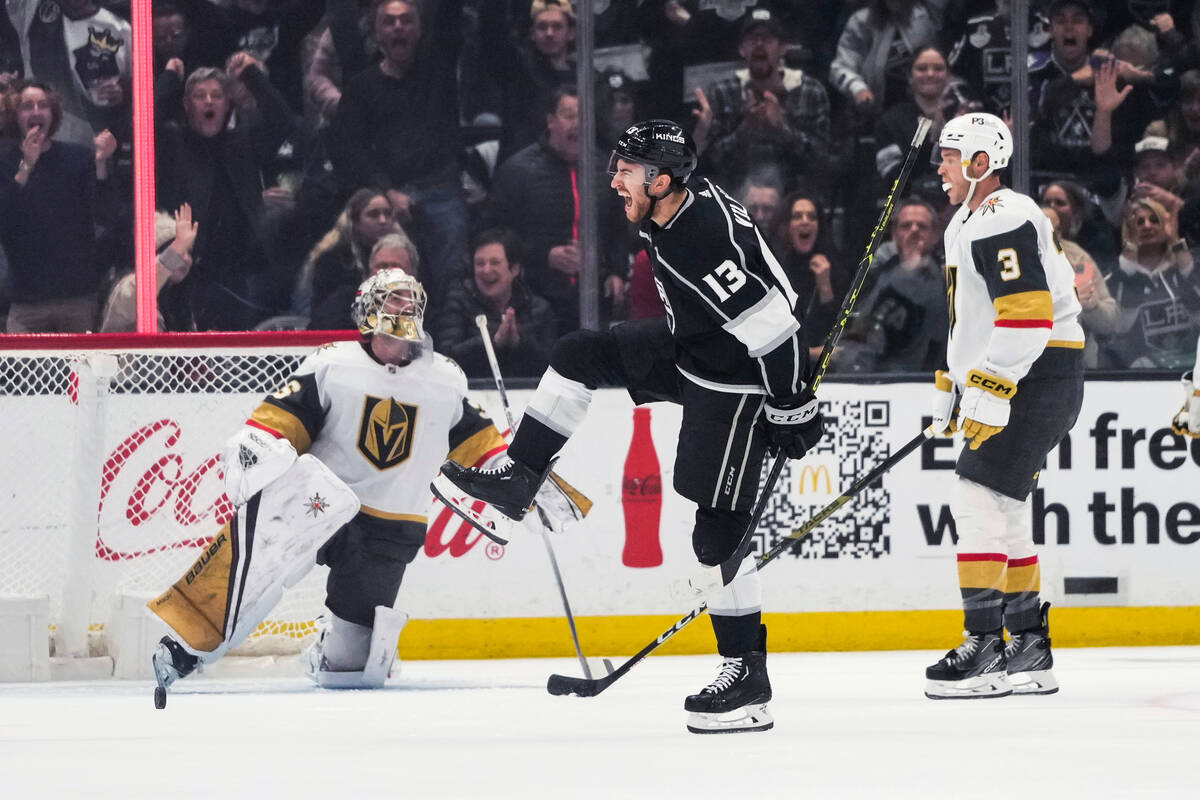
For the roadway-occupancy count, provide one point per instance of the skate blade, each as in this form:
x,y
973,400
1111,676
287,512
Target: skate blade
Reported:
x,y
482,517
1035,682
164,675
746,719
993,684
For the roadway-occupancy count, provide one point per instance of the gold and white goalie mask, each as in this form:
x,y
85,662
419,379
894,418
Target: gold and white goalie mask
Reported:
x,y
391,302
269,545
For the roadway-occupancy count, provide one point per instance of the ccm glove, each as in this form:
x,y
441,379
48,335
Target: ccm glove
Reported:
x,y
985,404
945,403
1187,421
252,458
793,424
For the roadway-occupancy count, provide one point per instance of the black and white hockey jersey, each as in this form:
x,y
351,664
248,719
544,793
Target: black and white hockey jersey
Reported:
x,y
729,303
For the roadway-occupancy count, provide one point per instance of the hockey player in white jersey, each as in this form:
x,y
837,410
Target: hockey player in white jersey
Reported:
x,y
1014,386
1187,421
375,420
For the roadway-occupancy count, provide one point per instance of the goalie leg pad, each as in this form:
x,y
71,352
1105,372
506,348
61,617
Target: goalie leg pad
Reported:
x,y
269,544
366,561
349,656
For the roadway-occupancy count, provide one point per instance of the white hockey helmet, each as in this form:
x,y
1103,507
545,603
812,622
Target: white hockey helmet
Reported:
x,y
978,132
391,302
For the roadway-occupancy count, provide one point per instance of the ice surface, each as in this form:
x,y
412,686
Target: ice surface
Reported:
x,y
1126,724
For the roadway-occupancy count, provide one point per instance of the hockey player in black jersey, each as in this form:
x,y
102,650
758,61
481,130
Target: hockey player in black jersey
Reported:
x,y
730,351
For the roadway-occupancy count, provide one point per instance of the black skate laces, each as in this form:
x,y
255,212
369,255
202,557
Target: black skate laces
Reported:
x,y
730,669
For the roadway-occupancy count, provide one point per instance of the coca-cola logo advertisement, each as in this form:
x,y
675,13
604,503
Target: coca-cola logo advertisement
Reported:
x,y
642,485
155,496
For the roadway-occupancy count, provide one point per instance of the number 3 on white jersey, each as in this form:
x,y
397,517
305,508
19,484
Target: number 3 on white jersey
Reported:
x,y
733,278
1010,268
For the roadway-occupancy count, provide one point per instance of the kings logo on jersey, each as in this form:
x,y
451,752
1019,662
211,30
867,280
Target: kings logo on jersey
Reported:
x,y
386,432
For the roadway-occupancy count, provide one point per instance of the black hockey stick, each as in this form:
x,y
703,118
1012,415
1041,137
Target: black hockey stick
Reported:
x,y
481,323
730,566
585,687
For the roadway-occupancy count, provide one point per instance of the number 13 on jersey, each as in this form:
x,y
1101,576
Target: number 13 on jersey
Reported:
x,y
725,280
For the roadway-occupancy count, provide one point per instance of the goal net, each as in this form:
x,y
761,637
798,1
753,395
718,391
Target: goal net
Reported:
x,y
110,471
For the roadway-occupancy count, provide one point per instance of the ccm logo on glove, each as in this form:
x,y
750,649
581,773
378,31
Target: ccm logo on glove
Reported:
x,y
791,416
992,384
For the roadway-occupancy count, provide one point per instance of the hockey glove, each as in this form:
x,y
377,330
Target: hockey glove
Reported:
x,y
1187,421
252,458
793,424
945,404
985,404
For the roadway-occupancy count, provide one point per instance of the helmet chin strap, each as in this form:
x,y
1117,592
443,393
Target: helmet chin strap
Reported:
x,y
972,181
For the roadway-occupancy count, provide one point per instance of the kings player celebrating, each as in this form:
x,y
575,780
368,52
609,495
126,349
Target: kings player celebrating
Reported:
x,y
1014,386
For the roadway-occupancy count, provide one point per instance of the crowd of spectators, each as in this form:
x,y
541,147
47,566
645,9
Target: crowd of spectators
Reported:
x,y
302,144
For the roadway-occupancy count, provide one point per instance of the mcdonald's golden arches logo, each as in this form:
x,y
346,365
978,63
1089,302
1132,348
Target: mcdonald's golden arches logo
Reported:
x,y
386,432
810,475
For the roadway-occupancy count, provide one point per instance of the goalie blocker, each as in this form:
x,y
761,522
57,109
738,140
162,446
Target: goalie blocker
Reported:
x,y
269,545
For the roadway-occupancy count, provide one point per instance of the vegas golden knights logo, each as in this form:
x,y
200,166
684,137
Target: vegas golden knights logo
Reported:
x,y
386,432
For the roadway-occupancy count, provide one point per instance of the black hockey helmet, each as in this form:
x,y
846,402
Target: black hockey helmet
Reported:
x,y
661,146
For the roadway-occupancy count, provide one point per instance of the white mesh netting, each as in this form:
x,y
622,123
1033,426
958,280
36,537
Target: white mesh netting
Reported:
x,y
110,477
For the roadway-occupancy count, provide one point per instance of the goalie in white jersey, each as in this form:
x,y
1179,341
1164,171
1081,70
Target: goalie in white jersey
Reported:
x,y
1014,386
375,420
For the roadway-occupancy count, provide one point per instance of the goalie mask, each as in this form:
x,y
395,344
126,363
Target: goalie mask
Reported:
x,y
391,302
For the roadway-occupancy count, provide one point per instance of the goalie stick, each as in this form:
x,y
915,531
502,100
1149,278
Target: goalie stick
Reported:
x,y
481,323
729,567
590,687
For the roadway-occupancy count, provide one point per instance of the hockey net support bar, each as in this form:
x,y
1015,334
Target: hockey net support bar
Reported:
x,y
110,468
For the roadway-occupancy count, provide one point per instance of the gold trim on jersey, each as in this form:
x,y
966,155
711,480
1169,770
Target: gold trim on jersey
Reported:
x,y
385,434
1025,305
476,446
1068,343
284,422
377,514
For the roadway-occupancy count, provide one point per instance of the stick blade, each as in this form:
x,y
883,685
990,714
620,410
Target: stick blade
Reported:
x,y
562,685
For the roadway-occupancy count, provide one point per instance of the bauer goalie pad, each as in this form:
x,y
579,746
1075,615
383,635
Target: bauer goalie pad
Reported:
x,y
269,545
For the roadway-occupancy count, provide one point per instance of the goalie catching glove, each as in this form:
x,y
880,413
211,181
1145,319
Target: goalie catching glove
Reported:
x,y
984,409
945,404
1187,421
793,424
252,458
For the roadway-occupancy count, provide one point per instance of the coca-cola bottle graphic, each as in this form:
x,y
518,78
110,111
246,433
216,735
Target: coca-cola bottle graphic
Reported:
x,y
641,496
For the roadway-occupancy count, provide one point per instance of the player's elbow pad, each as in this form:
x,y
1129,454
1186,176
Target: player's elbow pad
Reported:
x,y
252,458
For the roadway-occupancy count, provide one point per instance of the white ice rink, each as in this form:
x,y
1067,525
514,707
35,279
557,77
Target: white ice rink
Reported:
x,y
1126,724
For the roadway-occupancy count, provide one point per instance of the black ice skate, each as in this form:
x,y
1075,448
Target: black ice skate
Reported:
x,y
976,668
1030,660
509,490
171,662
736,700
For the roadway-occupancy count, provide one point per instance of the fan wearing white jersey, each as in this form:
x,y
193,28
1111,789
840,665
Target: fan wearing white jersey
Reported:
x,y
1014,386
378,416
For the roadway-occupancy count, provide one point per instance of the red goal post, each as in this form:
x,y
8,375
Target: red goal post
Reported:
x,y
110,470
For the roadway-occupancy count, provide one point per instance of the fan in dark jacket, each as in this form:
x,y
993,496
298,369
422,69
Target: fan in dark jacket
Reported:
x,y
521,324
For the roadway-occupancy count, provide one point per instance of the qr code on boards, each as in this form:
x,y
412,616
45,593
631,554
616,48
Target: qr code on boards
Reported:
x,y
855,441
